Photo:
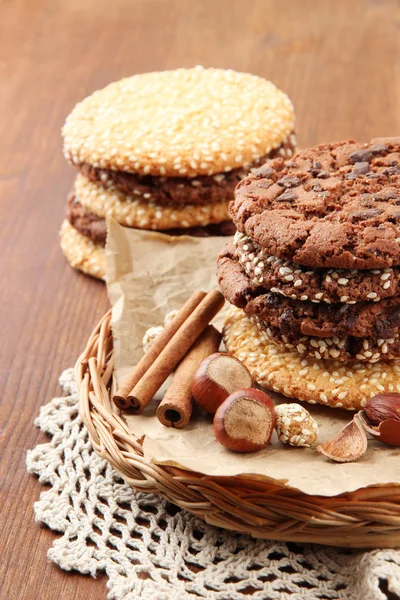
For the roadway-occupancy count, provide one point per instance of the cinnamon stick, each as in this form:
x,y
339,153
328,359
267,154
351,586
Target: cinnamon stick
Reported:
x,y
175,350
176,407
121,397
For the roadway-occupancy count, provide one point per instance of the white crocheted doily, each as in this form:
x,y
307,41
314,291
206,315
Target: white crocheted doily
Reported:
x,y
152,550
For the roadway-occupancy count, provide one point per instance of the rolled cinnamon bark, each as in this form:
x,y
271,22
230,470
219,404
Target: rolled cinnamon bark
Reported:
x,y
175,350
176,407
121,397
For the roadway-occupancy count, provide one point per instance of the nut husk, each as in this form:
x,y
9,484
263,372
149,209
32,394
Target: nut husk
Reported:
x,y
349,445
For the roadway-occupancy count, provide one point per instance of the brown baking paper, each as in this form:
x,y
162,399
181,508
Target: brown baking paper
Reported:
x,y
149,274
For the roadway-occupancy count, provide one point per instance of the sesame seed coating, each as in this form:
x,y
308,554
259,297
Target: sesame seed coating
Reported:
x,y
150,336
81,253
359,380
144,214
321,285
294,425
179,123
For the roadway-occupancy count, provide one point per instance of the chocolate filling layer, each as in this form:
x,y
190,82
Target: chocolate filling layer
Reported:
x,y
179,190
95,228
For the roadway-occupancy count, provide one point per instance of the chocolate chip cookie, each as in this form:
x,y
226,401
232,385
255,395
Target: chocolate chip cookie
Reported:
x,y
347,286
332,206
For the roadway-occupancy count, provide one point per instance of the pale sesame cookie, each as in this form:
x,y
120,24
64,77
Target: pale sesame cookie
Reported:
x,y
144,214
203,189
317,285
333,383
81,252
181,123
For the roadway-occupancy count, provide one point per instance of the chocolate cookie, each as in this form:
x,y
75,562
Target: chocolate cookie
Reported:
x,y
335,205
302,317
329,382
317,285
201,190
345,348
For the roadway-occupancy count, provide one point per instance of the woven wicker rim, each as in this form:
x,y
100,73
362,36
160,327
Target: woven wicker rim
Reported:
x,y
367,518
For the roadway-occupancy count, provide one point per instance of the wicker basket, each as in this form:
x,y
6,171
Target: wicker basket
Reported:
x,y
367,518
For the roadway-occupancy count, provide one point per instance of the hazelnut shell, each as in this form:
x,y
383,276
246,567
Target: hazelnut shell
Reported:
x,y
349,445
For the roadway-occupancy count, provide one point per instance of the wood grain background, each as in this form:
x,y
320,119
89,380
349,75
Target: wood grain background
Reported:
x,y
337,59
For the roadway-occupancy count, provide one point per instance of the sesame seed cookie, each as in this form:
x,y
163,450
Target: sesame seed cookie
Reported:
x,y
328,382
95,227
344,349
204,189
317,285
81,252
144,214
294,318
335,205
181,123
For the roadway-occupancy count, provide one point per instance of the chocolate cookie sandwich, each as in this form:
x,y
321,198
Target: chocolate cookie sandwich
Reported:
x,y
164,151
315,266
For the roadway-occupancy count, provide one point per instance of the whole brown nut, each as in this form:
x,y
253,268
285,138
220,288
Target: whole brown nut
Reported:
x,y
244,422
381,418
218,376
383,407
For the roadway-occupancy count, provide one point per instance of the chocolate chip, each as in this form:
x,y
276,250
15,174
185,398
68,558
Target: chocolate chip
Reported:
x,y
378,148
363,215
361,155
272,300
288,195
316,187
286,321
316,164
264,171
288,182
361,168
394,317
324,175
391,171
351,176
372,175
384,329
387,195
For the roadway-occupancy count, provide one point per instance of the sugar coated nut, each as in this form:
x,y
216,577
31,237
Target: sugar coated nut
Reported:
x,y
218,376
245,421
295,426
150,335
170,316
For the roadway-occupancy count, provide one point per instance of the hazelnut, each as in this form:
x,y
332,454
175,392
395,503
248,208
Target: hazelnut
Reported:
x,y
295,425
245,421
149,337
218,376
381,418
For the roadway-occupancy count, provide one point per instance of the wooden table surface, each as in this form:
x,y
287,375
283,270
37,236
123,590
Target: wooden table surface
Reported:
x,y
337,60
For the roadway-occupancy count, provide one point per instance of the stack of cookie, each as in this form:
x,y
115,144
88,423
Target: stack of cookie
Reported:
x,y
164,151
315,265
